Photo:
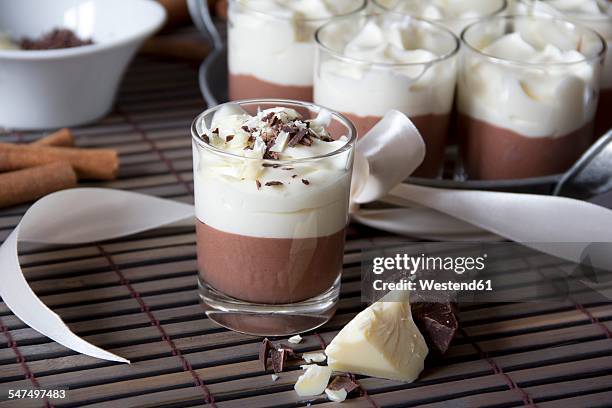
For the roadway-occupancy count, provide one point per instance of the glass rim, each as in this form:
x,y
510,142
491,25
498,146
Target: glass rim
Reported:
x,y
573,15
349,145
341,56
564,21
363,6
504,5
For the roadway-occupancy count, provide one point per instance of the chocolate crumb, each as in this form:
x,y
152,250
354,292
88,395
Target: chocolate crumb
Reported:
x,y
246,128
258,184
206,139
274,166
274,183
264,352
229,138
294,176
287,168
306,182
216,131
343,383
271,155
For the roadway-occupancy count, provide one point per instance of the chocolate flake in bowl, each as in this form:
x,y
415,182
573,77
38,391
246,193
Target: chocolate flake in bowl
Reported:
x,y
58,38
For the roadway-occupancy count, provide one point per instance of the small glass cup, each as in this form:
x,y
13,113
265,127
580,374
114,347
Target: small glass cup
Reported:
x,y
271,48
520,117
364,90
599,20
270,257
466,11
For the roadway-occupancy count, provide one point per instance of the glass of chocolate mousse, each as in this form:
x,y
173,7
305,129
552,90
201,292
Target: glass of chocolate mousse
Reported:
x,y
271,45
368,65
595,14
452,14
527,95
272,183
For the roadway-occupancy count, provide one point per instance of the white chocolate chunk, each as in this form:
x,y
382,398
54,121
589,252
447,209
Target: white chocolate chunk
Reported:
x,y
313,381
381,341
281,143
297,339
314,357
336,395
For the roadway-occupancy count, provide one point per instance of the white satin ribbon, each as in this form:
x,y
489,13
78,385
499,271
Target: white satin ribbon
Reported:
x,y
385,157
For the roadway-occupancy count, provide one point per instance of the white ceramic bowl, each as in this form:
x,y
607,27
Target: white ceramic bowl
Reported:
x,y
68,87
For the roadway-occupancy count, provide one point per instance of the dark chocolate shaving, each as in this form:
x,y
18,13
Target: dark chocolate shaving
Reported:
x,y
264,353
306,141
342,382
287,168
274,183
56,39
271,155
229,138
206,139
305,181
274,166
294,176
438,323
301,133
258,184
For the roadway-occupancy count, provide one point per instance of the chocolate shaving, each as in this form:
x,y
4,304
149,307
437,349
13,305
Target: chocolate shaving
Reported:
x,y
274,183
301,133
274,166
271,155
269,117
206,139
229,138
246,128
287,168
264,352
306,182
306,141
294,176
343,383
216,131
56,39
258,184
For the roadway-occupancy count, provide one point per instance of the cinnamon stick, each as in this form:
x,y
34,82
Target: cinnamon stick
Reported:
x,y
62,137
100,164
30,184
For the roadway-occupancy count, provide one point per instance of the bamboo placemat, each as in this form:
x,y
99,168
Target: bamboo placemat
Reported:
x,y
137,297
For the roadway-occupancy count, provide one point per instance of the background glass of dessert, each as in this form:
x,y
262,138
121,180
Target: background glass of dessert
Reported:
x,y
527,95
368,65
271,217
597,15
452,14
271,45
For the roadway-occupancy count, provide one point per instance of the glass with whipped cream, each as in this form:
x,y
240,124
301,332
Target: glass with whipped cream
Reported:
x,y
272,182
595,14
527,94
271,45
368,65
452,14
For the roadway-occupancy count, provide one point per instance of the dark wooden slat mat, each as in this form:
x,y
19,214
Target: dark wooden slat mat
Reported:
x,y
137,297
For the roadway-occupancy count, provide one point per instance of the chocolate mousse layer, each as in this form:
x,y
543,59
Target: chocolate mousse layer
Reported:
x,y
268,270
250,87
493,153
603,120
433,128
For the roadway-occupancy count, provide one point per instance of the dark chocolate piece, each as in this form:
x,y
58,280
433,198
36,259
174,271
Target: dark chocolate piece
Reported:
x,y
274,183
278,358
229,138
343,382
305,181
437,322
264,353
258,184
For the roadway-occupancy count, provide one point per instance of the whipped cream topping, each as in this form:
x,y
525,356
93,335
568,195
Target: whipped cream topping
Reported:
x,y
265,186
595,14
546,88
454,14
273,40
391,63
